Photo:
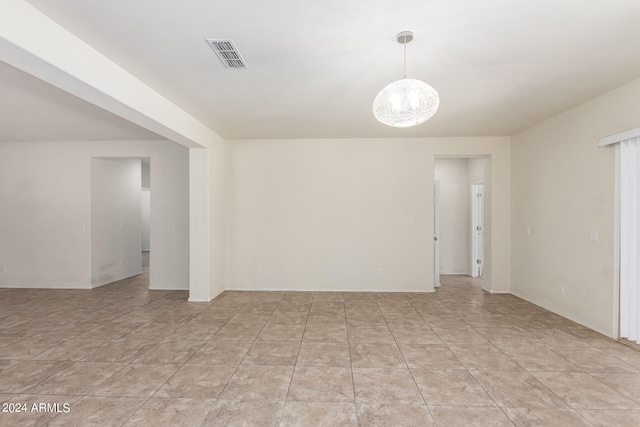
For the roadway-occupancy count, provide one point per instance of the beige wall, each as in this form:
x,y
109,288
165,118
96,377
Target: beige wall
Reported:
x,y
455,215
476,169
45,214
563,188
208,203
300,209
218,188
116,220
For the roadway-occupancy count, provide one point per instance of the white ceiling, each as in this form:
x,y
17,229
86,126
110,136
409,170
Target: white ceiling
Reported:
x,y
32,110
315,67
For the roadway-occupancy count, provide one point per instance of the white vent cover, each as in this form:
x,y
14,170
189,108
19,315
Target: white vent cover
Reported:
x,y
227,53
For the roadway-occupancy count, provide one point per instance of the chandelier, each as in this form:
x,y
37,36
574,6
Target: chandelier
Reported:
x,y
406,102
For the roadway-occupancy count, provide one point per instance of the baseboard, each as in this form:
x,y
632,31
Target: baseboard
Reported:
x,y
168,289
44,288
497,292
110,281
329,290
633,345
198,300
573,319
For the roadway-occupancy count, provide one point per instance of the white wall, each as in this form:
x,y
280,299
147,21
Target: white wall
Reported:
x,y
115,220
563,188
218,175
145,174
169,254
455,216
299,209
145,201
208,199
366,194
476,170
46,211
145,216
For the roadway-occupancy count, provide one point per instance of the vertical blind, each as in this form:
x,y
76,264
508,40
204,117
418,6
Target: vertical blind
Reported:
x,y
630,239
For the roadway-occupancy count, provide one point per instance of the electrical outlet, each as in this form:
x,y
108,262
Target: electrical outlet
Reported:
x,y
380,271
334,271
561,288
260,271
594,235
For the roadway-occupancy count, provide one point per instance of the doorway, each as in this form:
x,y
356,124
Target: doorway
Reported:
x,y
120,219
115,219
462,192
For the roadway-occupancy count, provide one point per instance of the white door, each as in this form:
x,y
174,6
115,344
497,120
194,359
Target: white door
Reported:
x,y
477,229
436,234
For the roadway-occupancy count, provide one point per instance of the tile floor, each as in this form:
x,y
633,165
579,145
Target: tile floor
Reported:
x,y
124,355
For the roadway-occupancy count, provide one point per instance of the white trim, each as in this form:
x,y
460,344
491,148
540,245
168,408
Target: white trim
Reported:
x,y
43,287
328,290
613,139
615,324
198,300
472,258
522,297
477,219
498,292
168,289
108,282
436,233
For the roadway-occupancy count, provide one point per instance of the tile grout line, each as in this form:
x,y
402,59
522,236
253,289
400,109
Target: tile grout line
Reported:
x,y
286,397
353,381
186,362
467,320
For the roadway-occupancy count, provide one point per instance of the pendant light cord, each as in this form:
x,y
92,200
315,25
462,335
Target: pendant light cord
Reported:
x,y
405,57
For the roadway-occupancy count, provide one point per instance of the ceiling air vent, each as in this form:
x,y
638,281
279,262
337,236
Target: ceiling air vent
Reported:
x,y
227,53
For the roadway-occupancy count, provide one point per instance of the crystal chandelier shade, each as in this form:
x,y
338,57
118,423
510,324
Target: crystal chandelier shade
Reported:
x,y
406,102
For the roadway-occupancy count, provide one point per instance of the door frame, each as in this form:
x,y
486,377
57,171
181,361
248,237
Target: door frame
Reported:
x,y
436,233
477,235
